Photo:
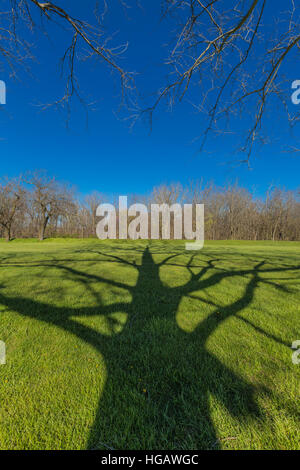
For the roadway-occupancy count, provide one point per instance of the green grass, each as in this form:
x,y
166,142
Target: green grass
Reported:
x,y
137,345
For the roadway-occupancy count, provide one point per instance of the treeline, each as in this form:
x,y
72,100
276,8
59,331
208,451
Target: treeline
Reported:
x,y
36,205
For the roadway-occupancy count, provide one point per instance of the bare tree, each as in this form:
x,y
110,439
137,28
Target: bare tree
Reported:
x,y
11,202
233,51
92,201
167,194
50,200
89,39
36,203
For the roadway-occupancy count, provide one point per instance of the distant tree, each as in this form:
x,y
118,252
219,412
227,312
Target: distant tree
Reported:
x,y
11,202
49,200
37,202
92,201
167,194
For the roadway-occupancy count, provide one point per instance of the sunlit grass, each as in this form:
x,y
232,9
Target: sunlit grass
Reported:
x,y
133,345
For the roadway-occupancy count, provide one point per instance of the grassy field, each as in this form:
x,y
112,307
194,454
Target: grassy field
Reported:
x,y
143,345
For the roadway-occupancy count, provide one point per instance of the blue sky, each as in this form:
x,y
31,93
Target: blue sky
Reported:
x,y
106,155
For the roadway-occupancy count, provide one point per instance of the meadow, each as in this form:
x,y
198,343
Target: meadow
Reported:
x,y
143,345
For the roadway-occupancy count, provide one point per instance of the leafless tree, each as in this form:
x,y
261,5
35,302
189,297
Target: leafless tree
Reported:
x,y
89,39
11,202
232,51
92,201
36,203
167,194
49,200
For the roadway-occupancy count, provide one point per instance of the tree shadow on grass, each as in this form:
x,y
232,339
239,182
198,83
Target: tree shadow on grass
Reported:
x,y
169,408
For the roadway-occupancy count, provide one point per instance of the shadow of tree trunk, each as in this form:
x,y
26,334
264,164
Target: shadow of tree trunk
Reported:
x,y
186,372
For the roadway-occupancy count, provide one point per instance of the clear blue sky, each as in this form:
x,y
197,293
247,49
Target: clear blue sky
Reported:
x,y
107,156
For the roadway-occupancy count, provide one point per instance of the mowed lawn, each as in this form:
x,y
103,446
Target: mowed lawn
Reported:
x,y
143,345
